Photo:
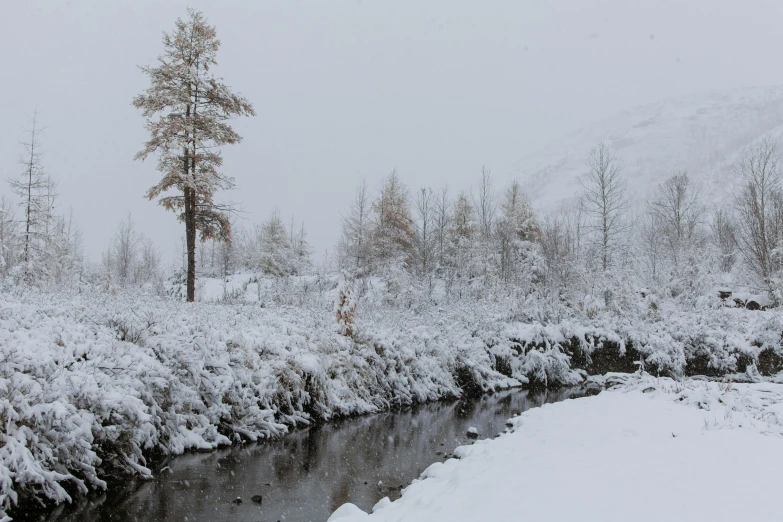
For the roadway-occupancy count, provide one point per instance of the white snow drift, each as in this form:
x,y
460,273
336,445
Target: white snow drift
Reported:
x,y
652,450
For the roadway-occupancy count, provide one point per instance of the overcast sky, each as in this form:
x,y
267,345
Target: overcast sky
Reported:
x,y
348,90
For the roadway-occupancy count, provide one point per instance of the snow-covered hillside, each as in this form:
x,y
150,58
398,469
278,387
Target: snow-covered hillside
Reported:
x,y
701,134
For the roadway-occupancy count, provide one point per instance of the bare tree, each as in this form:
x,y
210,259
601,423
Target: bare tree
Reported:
x,y
9,237
604,202
485,205
463,234
679,213
424,225
124,251
724,236
650,258
442,217
558,251
149,262
226,256
355,246
187,107
759,206
36,194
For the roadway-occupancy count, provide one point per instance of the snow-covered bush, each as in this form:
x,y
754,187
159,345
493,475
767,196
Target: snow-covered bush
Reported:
x,y
92,383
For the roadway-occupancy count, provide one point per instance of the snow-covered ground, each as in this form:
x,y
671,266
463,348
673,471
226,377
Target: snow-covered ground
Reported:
x,y
91,384
648,450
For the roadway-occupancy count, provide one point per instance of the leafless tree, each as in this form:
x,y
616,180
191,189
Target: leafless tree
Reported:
x,y
650,258
558,251
149,262
442,217
485,205
355,240
187,108
9,236
36,193
680,214
759,207
604,202
724,236
425,217
124,251
462,236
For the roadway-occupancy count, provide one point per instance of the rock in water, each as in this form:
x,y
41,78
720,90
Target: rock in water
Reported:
x,y
472,433
237,500
256,498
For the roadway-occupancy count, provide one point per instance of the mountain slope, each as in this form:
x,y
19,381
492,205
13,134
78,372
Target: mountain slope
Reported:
x,y
702,134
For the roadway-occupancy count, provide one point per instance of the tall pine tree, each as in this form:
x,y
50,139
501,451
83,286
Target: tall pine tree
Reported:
x,y
187,108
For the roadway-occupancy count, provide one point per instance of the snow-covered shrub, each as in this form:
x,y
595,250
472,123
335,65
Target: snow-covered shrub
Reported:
x,y
91,384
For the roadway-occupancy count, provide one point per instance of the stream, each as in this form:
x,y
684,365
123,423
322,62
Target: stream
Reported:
x,y
310,472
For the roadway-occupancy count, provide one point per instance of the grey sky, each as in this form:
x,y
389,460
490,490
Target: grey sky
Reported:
x,y
346,90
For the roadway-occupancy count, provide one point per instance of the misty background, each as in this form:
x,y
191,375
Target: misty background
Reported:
x,y
349,90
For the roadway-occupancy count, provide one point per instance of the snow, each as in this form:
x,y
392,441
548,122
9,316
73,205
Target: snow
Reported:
x,y
91,383
702,134
649,450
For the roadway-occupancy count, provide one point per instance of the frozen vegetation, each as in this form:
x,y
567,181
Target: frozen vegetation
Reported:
x,y
654,247
648,450
93,384
428,296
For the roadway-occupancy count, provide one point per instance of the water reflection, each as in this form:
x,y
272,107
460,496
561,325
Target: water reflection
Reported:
x,y
309,473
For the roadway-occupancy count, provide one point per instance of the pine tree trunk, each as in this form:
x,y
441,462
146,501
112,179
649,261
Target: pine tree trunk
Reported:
x,y
190,228
190,216
190,239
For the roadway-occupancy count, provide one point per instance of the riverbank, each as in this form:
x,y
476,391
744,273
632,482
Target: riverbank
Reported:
x,y
93,384
306,474
647,450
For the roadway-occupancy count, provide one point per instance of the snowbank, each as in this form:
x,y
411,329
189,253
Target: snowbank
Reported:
x,y
652,450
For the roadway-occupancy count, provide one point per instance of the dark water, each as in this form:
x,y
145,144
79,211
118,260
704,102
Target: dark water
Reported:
x,y
309,473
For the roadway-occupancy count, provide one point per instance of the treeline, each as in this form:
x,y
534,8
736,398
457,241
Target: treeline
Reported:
x,y
593,254
272,248
43,247
430,234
